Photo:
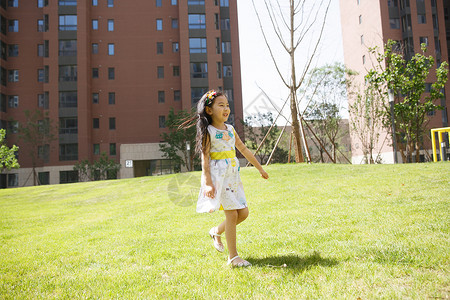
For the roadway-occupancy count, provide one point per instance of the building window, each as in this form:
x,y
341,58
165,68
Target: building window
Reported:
x,y
422,18
217,45
68,48
196,2
42,3
174,2
176,95
3,105
68,152
112,123
158,3
112,149
162,121
68,23
197,45
226,47
110,3
111,98
216,21
199,70
68,176
40,25
175,47
94,48
95,98
41,75
44,177
68,99
197,21
159,47
94,72
161,97
13,180
94,24
13,75
13,50
197,93
43,100
219,69
225,24
96,123
13,3
111,73
110,49
160,72
13,101
96,149
68,125
227,71
3,76
94,2
13,25
224,3
229,95
110,25
68,73
176,71
13,126
45,23
423,40
67,2
394,23
174,23
159,24
392,3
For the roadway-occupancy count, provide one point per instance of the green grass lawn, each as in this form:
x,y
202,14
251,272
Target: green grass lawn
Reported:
x,y
342,231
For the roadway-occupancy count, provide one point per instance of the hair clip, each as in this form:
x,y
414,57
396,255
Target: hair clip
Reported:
x,y
210,97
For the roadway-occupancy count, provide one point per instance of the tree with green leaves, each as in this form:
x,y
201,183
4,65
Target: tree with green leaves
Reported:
x,y
176,141
327,93
37,132
101,169
413,102
8,158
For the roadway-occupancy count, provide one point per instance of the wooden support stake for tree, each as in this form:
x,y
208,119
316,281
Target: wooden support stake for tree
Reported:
x,y
276,144
290,148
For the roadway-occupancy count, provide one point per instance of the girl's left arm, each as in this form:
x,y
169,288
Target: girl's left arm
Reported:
x,y
249,156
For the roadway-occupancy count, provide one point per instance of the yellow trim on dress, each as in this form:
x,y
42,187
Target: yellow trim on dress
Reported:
x,y
223,154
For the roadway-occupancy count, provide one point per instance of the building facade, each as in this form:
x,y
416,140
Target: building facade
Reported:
x,y
369,23
108,72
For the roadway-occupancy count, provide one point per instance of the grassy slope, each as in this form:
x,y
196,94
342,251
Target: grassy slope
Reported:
x,y
343,231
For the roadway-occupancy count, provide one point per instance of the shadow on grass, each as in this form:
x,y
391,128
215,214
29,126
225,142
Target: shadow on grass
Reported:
x,y
293,262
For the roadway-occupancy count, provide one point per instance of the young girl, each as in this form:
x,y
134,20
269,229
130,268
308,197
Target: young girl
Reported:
x,y
221,187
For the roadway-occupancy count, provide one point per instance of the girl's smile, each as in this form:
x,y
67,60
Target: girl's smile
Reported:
x,y
219,111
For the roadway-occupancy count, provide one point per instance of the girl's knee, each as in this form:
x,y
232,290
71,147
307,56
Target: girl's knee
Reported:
x,y
231,215
243,214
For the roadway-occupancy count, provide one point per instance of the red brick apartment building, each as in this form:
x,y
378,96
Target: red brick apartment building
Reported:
x,y
369,23
108,72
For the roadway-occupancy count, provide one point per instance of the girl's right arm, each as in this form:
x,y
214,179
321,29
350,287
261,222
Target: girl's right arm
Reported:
x,y
206,174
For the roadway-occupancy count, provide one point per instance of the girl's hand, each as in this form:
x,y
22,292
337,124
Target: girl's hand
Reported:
x,y
209,191
264,174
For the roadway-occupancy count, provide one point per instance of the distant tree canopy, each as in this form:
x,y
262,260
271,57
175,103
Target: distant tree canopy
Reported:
x,y
8,158
176,141
101,169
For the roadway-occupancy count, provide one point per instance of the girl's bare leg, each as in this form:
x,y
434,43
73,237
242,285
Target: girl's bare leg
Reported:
x,y
232,218
242,215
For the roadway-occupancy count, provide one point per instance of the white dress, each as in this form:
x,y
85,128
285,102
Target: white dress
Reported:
x,y
224,168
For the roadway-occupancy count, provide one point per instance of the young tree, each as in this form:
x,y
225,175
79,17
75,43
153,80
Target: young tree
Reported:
x,y
177,139
407,80
8,159
38,132
293,29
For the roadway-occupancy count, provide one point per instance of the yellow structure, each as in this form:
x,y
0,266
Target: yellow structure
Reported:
x,y
433,140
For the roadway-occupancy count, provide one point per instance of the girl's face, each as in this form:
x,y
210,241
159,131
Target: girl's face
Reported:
x,y
220,110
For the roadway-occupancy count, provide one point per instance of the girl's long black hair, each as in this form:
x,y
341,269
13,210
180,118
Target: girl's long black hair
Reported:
x,y
201,120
